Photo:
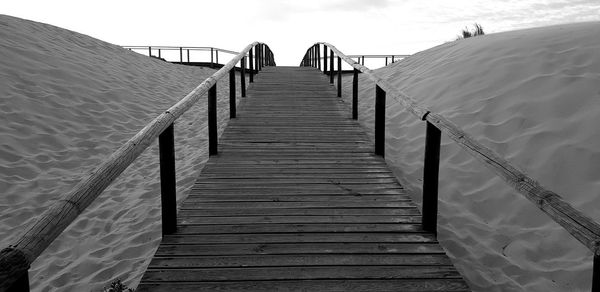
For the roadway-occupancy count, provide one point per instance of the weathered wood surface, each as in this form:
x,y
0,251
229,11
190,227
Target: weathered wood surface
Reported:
x,y
296,201
579,225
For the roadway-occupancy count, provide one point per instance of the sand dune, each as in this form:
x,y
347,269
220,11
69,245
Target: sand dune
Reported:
x,y
67,101
533,97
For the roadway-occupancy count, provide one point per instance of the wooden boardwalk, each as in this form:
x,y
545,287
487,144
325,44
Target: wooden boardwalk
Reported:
x,y
296,201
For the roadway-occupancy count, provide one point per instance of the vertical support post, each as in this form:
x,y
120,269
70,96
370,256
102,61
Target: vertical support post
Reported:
x,y
260,56
21,284
267,59
217,56
149,51
331,65
212,121
180,55
188,55
251,63
159,53
243,77
325,59
430,178
386,61
211,58
319,56
339,77
168,190
379,121
355,95
232,110
392,58
596,274
256,59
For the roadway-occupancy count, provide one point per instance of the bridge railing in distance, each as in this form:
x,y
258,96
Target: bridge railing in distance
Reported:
x,y
576,223
16,259
157,51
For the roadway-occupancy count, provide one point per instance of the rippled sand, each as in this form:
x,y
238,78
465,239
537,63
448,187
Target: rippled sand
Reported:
x,y
534,97
67,101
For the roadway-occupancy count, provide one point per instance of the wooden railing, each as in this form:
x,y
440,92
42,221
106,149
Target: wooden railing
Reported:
x,y
16,258
389,59
360,59
576,223
157,51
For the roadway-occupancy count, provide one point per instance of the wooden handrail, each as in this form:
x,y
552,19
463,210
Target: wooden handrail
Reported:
x,y
16,259
580,226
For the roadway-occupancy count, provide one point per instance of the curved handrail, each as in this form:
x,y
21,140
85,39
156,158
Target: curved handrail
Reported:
x,y
16,259
583,228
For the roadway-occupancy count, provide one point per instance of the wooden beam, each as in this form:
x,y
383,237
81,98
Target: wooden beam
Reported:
x,y
355,94
430,178
212,121
379,121
168,184
232,109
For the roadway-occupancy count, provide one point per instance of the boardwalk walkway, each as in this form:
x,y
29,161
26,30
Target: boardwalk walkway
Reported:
x,y
296,200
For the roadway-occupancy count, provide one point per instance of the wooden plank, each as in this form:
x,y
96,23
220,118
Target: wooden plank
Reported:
x,y
287,205
251,227
298,248
300,260
298,238
300,219
301,273
298,211
406,285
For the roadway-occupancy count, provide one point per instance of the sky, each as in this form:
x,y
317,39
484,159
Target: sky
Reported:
x,y
290,27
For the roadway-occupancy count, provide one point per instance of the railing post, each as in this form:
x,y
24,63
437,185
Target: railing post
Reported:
x,y
149,51
430,178
339,77
355,95
211,58
180,55
257,58
212,121
379,121
159,53
596,274
325,59
386,61
331,65
188,55
168,189
243,77
267,56
251,64
392,58
319,56
260,57
232,111
217,56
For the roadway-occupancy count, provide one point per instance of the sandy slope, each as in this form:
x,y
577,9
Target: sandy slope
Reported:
x,y
66,102
534,97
